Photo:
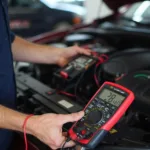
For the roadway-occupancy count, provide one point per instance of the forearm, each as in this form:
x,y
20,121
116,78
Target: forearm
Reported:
x,y
29,52
13,120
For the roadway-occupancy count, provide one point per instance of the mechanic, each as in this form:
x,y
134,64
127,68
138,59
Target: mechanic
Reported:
x,y
47,127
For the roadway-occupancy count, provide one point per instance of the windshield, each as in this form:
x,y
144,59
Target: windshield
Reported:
x,y
138,11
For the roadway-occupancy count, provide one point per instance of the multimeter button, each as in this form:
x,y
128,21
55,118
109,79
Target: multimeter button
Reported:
x,y
97,99
90,60
90,106
69,69
108,116
101,102
106,109
94,102
102,106
98,104
78,67
89,135
79,124
108,104
83,132
86,111
77,129
113,107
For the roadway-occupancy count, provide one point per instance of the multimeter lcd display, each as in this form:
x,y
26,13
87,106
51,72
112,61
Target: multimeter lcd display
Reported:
x,y
81,60
111,97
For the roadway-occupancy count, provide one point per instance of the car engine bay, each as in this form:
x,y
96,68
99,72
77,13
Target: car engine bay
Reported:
x,y
122,47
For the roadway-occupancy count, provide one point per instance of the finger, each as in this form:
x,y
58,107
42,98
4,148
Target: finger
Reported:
x,y
63,62
83,51
59,142
69,144
53,147
65,134
90,51
71,117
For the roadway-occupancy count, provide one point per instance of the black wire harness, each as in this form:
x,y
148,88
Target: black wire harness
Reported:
x,y
67,140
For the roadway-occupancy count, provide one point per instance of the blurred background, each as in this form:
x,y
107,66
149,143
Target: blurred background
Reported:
x,y
32,17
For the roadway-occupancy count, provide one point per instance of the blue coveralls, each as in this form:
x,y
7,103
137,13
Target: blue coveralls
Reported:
x,y
7,80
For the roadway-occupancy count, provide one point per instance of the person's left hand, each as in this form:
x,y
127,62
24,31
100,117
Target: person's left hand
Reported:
x,y
64,55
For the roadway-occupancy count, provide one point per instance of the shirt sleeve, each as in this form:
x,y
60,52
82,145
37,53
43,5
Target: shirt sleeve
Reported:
x,y
12,36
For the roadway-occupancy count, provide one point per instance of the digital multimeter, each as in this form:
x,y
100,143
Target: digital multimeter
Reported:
x,y
102,112
77,65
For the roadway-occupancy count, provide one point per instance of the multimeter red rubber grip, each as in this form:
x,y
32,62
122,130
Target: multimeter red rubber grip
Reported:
x,y
94,141
101,132
122,109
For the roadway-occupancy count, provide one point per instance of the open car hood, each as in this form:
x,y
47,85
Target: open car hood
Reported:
x,y
116,4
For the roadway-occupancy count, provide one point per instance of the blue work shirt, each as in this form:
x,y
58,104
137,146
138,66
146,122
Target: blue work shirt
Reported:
x,y
7,80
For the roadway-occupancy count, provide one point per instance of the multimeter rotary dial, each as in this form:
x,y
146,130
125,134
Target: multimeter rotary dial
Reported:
x,y
94,116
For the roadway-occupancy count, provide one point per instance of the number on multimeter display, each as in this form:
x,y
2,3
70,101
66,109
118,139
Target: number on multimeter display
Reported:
x,y
111,97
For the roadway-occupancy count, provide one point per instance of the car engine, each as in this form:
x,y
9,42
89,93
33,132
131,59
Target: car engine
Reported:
x,y
124,58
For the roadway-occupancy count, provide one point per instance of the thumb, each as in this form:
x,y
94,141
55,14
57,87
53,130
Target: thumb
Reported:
x,y
71,117
62,62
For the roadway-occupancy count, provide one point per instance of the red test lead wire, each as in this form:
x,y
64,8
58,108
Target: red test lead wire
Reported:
x,y
102,58
66,93
95,76
24,129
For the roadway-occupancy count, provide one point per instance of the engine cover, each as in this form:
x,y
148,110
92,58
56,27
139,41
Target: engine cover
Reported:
x,y
124,62
139,83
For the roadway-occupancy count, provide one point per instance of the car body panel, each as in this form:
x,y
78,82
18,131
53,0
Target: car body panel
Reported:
x,y
29,20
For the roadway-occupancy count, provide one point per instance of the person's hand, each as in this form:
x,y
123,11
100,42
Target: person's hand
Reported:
x,y
64,55
48,128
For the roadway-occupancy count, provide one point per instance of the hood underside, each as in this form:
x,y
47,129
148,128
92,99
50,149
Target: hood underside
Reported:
x,y
116,4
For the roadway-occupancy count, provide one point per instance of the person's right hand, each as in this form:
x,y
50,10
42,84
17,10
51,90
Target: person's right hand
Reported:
x,y
48,128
